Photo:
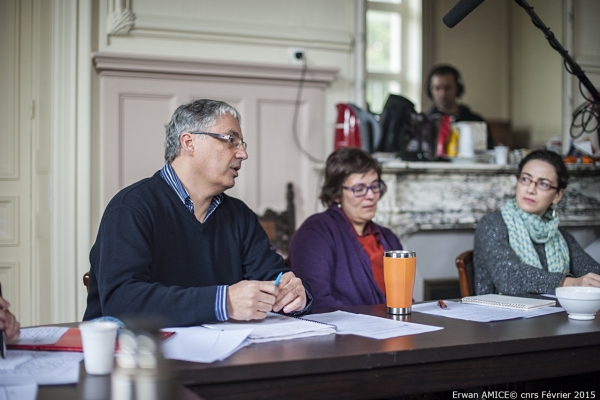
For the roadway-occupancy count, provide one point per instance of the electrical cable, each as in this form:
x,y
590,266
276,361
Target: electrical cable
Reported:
x,y
301,149
587,113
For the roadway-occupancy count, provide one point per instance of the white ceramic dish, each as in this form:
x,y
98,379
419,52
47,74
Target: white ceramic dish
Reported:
x,y
582,303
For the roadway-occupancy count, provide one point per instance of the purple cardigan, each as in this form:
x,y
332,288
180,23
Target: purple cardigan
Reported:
x,y
326,253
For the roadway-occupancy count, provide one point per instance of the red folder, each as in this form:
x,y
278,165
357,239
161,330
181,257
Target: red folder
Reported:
x,y
70,341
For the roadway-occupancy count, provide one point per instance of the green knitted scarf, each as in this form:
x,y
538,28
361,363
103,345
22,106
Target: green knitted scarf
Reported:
x,y
524,229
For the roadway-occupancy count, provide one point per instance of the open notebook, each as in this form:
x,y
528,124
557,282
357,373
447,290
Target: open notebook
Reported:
x,y
277,327
511,302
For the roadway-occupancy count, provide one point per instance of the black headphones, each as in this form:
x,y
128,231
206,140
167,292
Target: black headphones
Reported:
x,y
445,69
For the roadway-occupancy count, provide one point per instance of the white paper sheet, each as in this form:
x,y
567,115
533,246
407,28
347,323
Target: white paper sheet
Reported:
x,y
44,368
19,392
13,360
370,326
199,344
472,312
41,335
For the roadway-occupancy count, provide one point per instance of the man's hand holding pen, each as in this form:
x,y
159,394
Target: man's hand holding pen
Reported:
x,y
248,300
8,322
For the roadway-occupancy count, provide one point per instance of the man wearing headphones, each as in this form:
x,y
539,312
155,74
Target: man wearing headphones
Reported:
x,y
444,88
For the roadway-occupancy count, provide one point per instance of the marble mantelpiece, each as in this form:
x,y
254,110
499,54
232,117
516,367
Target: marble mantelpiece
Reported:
x,y
441,196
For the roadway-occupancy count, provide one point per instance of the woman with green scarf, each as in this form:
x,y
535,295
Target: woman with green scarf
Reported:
x,y
520,248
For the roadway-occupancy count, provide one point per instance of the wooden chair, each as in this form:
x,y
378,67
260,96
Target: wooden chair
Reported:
x,y
86,281
281,226
464,265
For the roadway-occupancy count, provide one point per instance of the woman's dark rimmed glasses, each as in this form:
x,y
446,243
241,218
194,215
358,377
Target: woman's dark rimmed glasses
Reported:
x,y
541,184
362,190
233,141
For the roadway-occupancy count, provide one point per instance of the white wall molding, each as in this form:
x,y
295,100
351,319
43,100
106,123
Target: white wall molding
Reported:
x,y
84,149
360,25
588,63
114,64
139,94
9,276
239,33
64,157
9,73
120,18
9,221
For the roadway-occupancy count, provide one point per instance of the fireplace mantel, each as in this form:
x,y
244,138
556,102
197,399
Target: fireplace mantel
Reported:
x,y
442,196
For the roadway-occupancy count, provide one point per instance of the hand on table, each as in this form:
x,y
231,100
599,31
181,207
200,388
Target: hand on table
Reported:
x,y
8,322
248,300
292,296
589,279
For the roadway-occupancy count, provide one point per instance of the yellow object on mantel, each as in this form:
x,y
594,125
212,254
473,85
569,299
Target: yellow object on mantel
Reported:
x,y
452,149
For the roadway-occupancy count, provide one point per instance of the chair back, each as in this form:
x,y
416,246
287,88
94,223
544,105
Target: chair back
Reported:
x,y
280,226
86,281
464,265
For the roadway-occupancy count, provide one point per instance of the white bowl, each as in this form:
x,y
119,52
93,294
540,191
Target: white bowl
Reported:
x,y
580,302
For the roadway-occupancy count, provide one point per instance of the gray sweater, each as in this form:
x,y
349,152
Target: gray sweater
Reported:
x,y
498,269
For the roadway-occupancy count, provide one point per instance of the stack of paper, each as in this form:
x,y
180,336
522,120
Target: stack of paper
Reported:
x,y
370,326
198,344
473,312
41,367
276,327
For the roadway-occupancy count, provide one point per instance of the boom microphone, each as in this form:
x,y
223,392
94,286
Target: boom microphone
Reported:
x,y
459,11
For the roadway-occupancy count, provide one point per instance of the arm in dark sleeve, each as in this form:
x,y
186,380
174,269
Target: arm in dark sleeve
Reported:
x,y
122,255
313,260
510,275
581,262
260,260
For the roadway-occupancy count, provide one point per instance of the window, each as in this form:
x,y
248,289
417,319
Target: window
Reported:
x,y
393,51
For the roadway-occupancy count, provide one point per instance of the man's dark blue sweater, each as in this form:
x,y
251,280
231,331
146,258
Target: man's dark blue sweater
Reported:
x,y
153,257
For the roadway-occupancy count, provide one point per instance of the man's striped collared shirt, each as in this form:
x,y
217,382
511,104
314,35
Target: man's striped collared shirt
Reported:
x,y
169,175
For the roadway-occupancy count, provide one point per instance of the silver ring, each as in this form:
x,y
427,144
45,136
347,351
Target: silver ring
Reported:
x,y
296,292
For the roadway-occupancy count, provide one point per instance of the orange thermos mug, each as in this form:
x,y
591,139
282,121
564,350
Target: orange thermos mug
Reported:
x,y
399,270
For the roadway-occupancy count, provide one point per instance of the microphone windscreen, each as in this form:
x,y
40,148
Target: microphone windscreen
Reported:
x,y
459,11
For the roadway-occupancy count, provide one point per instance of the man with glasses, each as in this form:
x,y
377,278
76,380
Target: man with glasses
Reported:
x,y
175,246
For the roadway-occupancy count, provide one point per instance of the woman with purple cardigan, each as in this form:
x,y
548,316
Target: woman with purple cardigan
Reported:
x,y
339,252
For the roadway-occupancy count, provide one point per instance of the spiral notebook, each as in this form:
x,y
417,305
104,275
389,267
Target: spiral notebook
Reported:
x,y
511,302
277,327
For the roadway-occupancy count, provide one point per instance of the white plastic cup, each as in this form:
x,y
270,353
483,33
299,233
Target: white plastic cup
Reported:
x,y
98,339
501,154
465,143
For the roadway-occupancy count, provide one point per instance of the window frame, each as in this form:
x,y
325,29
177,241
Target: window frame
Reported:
x,y
411,54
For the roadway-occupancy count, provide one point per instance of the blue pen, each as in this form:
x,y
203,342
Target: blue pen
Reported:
x,y
278,278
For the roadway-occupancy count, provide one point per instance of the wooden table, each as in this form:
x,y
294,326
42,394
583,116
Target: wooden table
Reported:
x,y
98,387
464,354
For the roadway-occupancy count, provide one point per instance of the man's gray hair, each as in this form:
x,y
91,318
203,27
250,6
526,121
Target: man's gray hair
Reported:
x,y
198,115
